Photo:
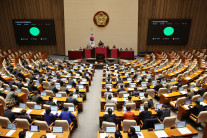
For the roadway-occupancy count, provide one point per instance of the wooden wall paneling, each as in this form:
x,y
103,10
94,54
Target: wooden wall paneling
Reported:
x,y
32,9
169,9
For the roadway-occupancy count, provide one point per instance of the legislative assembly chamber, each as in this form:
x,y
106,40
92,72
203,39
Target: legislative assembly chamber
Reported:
x,y
103,69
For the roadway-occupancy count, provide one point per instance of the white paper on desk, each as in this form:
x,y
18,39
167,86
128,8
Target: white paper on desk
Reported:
x,y
10,132
166,95
130,89
74,113
59,112
141,98
183,92
82,82
125,99
17,110
194,89
187,78
55,101
43,113
184,130
140,135
29,134
161,134
186,106
103,135
202,103
54,112
50,135
115,99
28,111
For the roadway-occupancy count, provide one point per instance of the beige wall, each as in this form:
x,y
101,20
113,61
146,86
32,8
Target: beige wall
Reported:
x,y
121,31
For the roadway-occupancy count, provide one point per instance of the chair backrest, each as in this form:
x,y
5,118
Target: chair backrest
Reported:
x,y
132,105
169,121
64,94
127,124
179,77
22,123
110,105
162,90
4,121
121,93
173,88
195,98
49,93
26,91
68,105
205,96
42,125
3,101
107,124
150,92
202,117
185,86
31,104
106,93
14,87
180,100
45,84
46,106
62,123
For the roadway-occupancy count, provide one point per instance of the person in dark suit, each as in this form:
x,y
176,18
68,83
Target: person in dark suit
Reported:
x,y
163,112
131,133
12,82
201,91
145,114
40,78
119,80
31,86
70,99
50,102
110,117
24,116
108,81
9,114
196,108
20,84
11,95
71,82
121,89
14,72
36,98
32,77
158,86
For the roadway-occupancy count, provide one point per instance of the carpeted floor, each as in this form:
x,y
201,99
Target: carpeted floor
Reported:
x,y
89,118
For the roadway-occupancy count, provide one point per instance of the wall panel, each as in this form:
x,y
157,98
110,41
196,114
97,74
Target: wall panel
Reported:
x,y
32,9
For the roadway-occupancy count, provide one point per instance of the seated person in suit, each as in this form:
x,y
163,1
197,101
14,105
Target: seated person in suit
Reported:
x,y
11,95
118,134
179,84
108,89
189,94
70,99
114,46
9,114
135,92
158,86
145,114
196,109
36,97
22,134
129,100
163,112
50,102
110,117
109,100
31,86
24,116
108,81
49,117
128,115
67,115
131,133
146,98
201,91
71,82
119,80
121,89
12,82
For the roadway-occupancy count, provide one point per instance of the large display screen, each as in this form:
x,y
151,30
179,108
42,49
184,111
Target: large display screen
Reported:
x,y
34,32
168,31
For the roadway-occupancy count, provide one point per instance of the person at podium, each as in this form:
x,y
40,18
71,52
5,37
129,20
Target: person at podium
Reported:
x,y
114,46
100,44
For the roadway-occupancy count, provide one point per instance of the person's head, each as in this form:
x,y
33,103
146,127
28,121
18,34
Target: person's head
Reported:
x,y
135,88
110,111
129,98
12,89
107,88
71,94
122,86
188,90
48,110
158,82
118,134
145,95
22,134
146,108
9,107
65,108
197,102
132,130
23,112
50,98
35,93
128,108
109,97
164,106
43,136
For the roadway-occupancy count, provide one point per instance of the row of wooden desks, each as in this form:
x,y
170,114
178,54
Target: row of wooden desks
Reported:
x,y
151,134
4,131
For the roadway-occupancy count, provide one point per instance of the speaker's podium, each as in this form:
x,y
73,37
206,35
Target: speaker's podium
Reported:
x,y
100,57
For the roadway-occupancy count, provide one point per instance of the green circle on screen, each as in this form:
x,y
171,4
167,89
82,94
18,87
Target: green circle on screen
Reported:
x,y
34,31
168,31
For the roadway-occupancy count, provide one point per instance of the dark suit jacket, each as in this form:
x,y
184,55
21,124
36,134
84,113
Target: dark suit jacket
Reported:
x,y
145,114
71,100
9,114
201,91
37,99
157,87
12,83
31,87
110,118
163,113
197,109
50,103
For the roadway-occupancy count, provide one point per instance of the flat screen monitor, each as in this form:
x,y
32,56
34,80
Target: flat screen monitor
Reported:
x,y
181,88
54,108
141,94
84,80
22,105
200,99
75,95
57,85
126,95
18,90
144,84
58,95
132,85
141,108
181,124
159,127
158,106
43,94
80,87
129,79
110,129
168,31
34,128
71,109
69,86
188,102
34,31
37,107
57,129
37,83
64,79
137,128
11,126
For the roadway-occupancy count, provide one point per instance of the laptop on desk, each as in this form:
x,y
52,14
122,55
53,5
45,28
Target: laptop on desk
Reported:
x,y
141,95
181,124
37,107
159,127
11,126
110,129
22,105
57,129
34,128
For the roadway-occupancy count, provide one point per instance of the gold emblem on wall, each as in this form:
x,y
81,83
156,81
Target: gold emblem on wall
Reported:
x,y
101,19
